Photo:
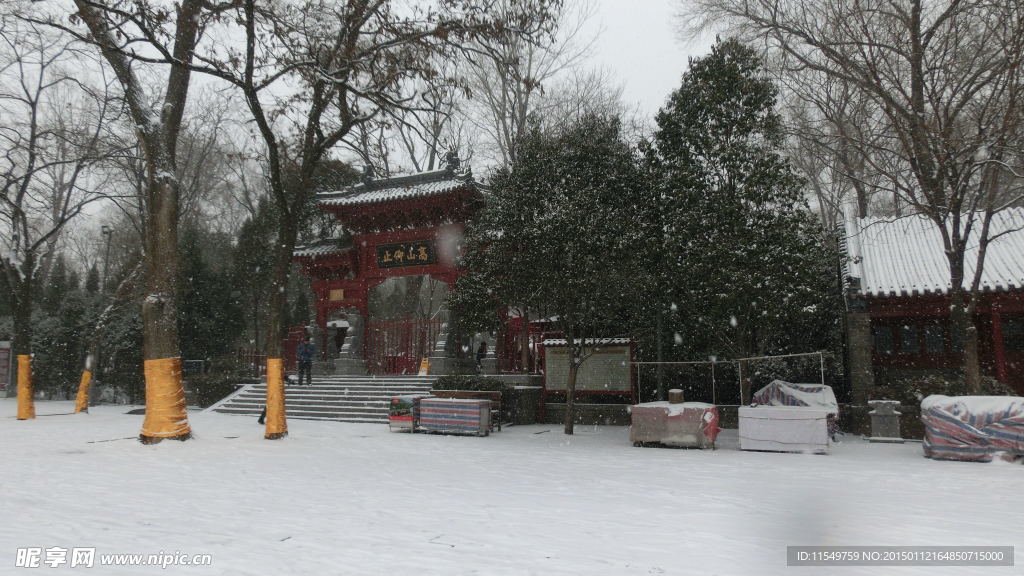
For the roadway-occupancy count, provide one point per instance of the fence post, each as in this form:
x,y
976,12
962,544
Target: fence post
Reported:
x,y
744,385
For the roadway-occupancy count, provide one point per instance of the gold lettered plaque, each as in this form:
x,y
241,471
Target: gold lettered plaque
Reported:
x,y
414,253
336,295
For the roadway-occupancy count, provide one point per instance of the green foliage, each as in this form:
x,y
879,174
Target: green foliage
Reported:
x,y
210,319
559,233
208,389
92,280
56,286
911,390
252,266
475,383
59,347
5,305
744,267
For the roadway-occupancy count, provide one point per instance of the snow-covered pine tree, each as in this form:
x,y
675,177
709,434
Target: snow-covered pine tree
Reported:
x,y
748,267
559,236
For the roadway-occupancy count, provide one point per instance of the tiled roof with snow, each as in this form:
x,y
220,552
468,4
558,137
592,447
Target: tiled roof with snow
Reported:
x,y
905,256
588,341
323,248
398,188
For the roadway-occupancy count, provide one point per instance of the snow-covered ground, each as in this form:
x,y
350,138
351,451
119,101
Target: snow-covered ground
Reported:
x,y
357,499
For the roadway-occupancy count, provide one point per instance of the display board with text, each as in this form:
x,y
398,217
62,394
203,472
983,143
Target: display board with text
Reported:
x,y
606,368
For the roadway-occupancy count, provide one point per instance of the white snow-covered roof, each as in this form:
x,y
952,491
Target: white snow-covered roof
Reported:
x,y
321,249
905,256
401,187
588,341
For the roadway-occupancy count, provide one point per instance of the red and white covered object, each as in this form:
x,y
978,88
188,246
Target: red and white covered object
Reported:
x,y
688,424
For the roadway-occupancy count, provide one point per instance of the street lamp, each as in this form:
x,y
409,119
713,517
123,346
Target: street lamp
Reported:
x,y
108,232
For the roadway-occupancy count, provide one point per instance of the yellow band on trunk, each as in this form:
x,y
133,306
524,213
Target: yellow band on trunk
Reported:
x,y
166,416
82,401
277,425
26,403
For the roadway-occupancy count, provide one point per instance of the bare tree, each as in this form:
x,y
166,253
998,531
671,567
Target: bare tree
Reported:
x,y
49,139
119,29
508,77
416,138
313,71
945,77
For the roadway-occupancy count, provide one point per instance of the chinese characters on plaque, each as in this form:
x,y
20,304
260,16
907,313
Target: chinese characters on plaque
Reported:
x,y
415,253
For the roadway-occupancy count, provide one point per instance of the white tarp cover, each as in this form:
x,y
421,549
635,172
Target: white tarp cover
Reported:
x,y
784,428
782,393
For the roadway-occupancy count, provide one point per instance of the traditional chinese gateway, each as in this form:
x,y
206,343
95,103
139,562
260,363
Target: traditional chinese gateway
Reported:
x,y
399,227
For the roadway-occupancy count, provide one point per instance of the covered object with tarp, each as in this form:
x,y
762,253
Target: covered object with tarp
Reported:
x,y
781,393
787,417
687,424
976,428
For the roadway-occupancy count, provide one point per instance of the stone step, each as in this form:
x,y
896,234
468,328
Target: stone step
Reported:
x,y
316,402
354,385
340,398
378,415
351,419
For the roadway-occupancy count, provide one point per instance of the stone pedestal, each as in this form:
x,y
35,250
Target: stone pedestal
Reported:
x,y
885,421
350,367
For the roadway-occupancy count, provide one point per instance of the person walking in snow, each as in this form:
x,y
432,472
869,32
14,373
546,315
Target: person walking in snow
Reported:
x,y
305,352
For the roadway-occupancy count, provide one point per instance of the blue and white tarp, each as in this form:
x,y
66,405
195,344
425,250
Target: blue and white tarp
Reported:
x,y
976,428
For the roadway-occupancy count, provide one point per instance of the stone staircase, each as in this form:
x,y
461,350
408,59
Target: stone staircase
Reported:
x,y
338,398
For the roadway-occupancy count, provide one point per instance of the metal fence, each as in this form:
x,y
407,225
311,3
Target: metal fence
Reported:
x,y
727,382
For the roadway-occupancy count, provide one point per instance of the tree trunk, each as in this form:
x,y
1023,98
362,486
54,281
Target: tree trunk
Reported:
x,y
575,353
972,364
166,416
525,338
276,421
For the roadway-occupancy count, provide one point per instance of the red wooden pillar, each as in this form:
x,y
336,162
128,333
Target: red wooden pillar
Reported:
x,y
364,311
997,342
321,322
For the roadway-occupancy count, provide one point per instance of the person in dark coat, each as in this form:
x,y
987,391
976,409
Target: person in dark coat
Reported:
x,y
304,353
481,353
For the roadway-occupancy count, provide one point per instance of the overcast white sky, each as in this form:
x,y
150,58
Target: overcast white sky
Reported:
x,y
639,43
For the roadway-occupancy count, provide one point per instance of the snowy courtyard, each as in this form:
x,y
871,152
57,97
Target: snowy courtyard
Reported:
x,y
357,499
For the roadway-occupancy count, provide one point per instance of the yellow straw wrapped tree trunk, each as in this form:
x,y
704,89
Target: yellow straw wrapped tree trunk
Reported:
x,y
157,129
26,405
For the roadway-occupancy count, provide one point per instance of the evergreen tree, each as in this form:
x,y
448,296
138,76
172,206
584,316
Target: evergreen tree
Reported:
x,y
745,268
5,301
209,318
92,280
56,287
300,311
253,268
559,235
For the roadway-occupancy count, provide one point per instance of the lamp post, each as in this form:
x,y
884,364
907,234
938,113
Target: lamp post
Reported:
x,y
108,232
